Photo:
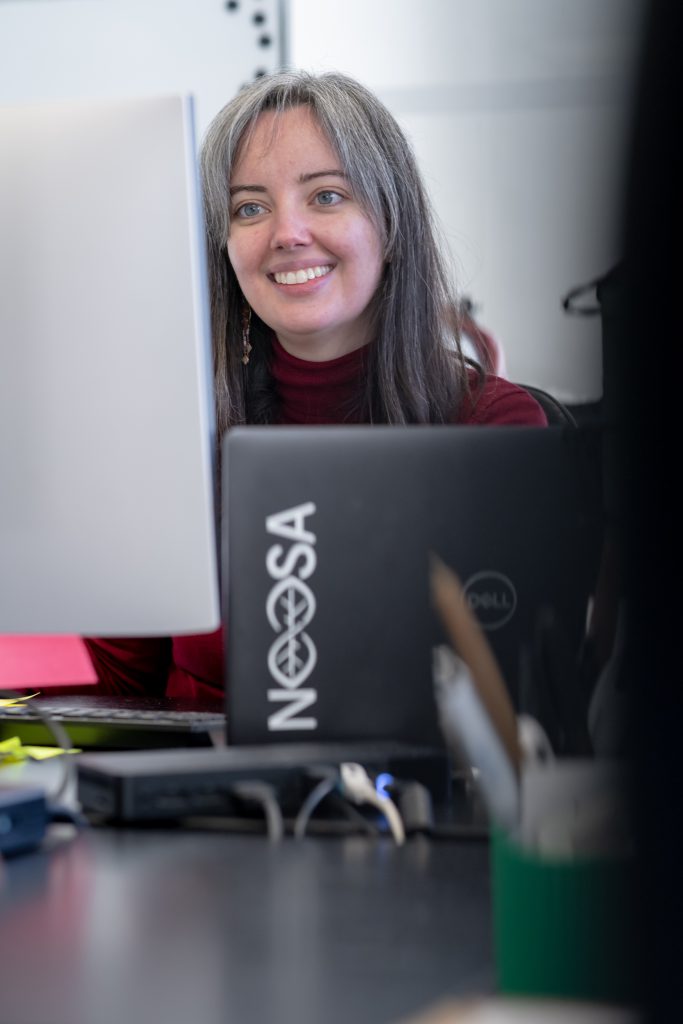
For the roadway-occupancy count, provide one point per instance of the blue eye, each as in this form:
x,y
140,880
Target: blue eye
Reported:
x,y
249,210
328,198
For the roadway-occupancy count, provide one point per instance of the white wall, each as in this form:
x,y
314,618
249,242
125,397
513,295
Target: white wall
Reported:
x,y
517,110
65,49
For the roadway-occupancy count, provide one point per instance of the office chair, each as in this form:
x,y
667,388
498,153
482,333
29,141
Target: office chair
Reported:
x,y
557,413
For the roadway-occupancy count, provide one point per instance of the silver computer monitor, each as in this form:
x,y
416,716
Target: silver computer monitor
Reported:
x,y
106,426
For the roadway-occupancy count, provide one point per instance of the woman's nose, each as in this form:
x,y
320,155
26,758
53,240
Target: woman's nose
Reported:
x,y
290,228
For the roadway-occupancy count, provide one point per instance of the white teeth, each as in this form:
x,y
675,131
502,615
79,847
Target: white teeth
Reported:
x,y
299,276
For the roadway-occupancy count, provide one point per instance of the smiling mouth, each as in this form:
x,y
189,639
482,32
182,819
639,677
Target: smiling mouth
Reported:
x,y
301,276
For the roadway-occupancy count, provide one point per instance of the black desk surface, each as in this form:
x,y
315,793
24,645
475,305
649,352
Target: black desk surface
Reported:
x,y
146,926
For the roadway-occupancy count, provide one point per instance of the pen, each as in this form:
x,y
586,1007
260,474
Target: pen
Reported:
x,y
472,737
469,642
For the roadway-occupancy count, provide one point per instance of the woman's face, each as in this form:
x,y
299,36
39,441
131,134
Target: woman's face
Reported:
x,y
307,258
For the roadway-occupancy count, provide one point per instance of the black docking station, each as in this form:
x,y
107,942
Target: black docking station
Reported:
x,y
127,786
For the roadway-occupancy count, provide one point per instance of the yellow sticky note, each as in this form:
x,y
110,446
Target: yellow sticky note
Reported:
x,y
12,751
42,753
10,745
15,702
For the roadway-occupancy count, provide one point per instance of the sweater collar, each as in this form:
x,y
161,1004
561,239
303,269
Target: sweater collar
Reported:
x,y
313,392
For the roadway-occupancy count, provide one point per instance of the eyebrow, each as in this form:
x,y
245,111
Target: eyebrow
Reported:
x,y
303,179
334,172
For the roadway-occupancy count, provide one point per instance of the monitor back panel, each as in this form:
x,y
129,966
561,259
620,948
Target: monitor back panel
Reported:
x,y
106,415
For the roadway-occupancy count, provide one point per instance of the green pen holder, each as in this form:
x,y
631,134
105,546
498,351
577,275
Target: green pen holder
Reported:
x,y
563,928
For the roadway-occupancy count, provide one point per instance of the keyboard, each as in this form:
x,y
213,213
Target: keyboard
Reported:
x,y
116,723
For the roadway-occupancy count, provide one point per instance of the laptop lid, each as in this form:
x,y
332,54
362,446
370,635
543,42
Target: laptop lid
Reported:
x,y
326,540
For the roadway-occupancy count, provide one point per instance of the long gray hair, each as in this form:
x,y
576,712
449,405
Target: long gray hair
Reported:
x,y
415,369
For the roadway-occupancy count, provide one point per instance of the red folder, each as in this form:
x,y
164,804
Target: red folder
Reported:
x,y
44,661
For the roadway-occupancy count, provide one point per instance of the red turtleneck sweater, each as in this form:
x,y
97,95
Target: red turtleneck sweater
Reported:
x,y
310,393
324,392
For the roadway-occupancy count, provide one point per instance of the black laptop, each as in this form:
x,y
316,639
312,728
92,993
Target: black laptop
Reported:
x,y
326,540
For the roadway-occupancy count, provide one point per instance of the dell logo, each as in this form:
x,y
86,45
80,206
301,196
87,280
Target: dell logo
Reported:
x,y
492,597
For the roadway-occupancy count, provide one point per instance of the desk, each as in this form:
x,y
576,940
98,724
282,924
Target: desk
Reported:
x,y
145,926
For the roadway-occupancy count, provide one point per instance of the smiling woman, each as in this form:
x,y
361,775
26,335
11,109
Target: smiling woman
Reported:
x,y
330,300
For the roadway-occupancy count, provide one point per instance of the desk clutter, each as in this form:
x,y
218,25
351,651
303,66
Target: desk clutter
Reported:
x,y
561,856
563,850
280,788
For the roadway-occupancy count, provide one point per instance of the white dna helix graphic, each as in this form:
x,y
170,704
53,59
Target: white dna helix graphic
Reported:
x,y
292,655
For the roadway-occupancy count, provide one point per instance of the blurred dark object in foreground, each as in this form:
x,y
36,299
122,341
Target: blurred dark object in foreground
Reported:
x,y
647,376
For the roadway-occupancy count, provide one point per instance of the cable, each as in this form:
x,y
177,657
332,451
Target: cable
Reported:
x,y
415,806
354,816
67,765
59,733
263,794
326,786
357,786
60,814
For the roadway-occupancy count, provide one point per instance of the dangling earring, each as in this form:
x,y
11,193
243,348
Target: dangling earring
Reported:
x,y
246,323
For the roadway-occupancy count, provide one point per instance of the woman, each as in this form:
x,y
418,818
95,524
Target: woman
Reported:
x,y
330,301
